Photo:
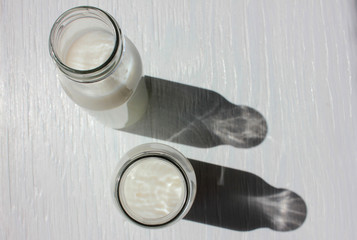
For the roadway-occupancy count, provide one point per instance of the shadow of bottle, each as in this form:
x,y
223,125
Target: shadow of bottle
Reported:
x,y
197,117
242,201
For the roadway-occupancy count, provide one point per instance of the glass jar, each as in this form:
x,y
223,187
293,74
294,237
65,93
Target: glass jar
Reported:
x,y
98,67
155,185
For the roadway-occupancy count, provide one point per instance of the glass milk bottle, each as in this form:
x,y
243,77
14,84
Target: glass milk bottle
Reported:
x,y
154,186
98,67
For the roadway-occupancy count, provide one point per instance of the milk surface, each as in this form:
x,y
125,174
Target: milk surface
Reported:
x,y
152,190
90,50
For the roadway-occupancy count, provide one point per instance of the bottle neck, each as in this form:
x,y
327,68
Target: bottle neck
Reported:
x,y
70,27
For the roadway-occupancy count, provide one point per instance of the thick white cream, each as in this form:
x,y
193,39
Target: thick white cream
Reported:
x,y
152,190
90,50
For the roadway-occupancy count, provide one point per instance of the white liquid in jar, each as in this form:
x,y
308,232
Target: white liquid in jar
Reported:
x,y
152,190
90,50
117,101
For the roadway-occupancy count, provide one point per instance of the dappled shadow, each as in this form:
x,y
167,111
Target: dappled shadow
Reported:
x,y
197,117
242,201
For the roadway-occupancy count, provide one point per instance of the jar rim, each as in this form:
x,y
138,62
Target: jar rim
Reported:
x,y
163,220
164,152
90,73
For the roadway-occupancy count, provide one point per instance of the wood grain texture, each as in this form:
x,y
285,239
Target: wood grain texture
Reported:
x,y
293,61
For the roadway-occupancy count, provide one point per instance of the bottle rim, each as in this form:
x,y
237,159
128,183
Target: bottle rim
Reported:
x,y
90,75
167,153
161,221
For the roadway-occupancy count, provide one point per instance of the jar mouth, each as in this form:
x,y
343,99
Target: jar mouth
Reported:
x,y
104,69
164,153
157,221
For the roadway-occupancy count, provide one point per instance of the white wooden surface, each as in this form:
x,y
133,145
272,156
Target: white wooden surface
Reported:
x,y
293,61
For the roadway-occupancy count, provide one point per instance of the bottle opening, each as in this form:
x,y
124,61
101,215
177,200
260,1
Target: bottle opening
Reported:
x,y
152,191
85,40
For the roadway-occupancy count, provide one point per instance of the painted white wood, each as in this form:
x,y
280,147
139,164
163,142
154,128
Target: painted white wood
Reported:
x,y
293,61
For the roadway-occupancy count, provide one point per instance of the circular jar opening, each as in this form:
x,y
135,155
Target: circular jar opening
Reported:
x,y
84,40
152,191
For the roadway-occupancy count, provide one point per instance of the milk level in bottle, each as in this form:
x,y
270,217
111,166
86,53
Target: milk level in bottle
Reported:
x,y
99,68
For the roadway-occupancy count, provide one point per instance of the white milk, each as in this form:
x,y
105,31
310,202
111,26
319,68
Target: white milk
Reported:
x,y
116,101
152,190
90,50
